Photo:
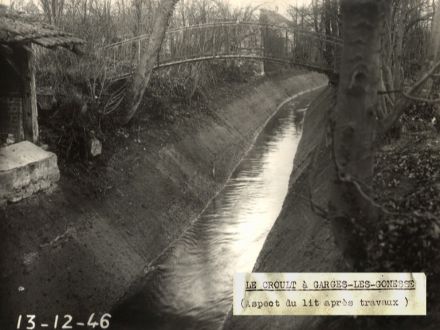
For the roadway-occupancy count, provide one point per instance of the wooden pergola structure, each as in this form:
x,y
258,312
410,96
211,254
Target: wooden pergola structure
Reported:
x,y
18,99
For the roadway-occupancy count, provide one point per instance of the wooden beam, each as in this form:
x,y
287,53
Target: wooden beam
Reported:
x,y
30,114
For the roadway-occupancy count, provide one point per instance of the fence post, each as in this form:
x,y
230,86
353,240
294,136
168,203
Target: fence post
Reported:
x,y
114,59
213,41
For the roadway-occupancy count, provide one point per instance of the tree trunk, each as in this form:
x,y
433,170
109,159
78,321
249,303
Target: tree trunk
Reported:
x,y
397,47
354,121
435,35
388,49
434,45
141,77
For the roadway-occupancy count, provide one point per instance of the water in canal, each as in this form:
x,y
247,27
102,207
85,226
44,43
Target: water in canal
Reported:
x,y
191,288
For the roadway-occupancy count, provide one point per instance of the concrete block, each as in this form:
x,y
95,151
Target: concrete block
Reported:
x,y
24,170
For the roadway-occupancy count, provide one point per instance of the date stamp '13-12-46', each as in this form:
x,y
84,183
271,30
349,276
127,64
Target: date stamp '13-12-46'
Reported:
x,y
65,321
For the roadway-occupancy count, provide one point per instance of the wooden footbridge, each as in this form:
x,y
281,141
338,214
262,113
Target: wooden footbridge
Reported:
x,y
252,40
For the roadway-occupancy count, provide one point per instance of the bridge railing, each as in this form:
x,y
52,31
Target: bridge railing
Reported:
x,y
247,40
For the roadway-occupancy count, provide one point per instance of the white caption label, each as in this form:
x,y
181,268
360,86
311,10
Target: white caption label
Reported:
x,y
329,294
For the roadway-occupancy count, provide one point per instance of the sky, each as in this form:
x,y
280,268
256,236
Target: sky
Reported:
x,y
282,4
271,4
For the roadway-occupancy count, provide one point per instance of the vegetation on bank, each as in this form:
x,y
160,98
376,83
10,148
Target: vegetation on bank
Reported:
x,y
407,188
75,118
86,104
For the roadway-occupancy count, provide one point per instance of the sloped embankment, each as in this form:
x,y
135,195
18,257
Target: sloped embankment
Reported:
x,y
77,252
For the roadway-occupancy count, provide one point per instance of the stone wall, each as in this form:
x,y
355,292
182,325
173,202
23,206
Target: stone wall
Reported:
x,y
25,169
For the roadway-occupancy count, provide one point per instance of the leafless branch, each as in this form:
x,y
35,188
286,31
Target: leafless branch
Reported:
x,y
417,20
386,92
421,99
424,78
402,103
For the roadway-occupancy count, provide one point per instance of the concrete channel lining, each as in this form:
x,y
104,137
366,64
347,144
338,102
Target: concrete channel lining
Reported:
x,y
87,253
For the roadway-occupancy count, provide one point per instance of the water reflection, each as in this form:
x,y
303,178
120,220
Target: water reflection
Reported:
x,y
192,286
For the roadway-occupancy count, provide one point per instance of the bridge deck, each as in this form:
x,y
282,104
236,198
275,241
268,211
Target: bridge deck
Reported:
x,y
256,41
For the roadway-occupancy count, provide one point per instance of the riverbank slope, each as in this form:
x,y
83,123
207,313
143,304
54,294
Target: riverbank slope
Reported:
x,y
78,249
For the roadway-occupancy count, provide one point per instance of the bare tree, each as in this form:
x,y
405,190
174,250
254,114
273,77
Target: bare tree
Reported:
x,y
141,77
434,45
53,9
356,124
354,120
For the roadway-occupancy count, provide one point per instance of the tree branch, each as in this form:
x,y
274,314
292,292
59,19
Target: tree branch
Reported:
x,y
386,92
417,20
421,99
402,103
